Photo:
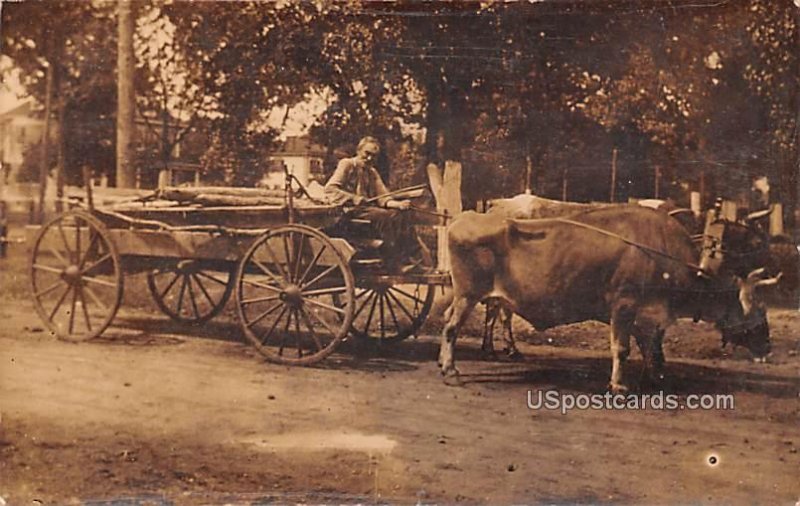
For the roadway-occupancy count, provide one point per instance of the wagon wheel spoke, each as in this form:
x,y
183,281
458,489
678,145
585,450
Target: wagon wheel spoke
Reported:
x,y
174,280
274,259
265,336
85,309
412,297
262,285
365,303
72,309
192,296
311,265
264,315
98,281
180,296
392,313
371,312
93,243
96,263
322,322
59,302
382,316
288,256
47,268
324,306
313,333
65,241
58,255
212,278
325,291
400,305
256,300
95,298
266,271
297,333
299,259
285,333
49,289
321,275
203,290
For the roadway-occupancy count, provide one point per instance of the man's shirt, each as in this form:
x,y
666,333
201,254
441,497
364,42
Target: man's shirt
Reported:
x,y
352,178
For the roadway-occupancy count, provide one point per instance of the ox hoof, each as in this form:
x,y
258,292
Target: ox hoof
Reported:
x,y
617,388
514,355
488,354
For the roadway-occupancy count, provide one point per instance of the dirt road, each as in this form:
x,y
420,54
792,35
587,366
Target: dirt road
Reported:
x,y
168,414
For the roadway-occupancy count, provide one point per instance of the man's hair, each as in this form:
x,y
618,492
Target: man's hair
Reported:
x,y
368,140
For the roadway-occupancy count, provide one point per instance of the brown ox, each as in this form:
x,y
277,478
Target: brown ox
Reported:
x,y
634,268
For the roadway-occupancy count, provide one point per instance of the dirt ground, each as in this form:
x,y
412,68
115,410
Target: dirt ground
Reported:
x,y
157,413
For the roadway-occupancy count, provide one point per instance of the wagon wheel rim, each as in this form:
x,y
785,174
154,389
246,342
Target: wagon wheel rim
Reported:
x,y
76,276
285,286
188,293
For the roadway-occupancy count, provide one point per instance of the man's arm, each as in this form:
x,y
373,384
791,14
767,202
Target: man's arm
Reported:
x,y
380,189
336,188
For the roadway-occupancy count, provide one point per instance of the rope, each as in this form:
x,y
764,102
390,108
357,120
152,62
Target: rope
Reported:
x,y
632,243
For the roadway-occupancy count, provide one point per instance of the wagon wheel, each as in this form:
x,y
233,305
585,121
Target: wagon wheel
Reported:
x,y
387,311
187,293
284,295
76,276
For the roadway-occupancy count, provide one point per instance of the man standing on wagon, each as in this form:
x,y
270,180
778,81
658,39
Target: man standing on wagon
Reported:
x,y
356,182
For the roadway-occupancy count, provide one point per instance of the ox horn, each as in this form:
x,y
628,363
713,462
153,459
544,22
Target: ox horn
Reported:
x,y
754,278
756,215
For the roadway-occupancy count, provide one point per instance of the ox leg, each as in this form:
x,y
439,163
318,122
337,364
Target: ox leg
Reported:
x,y
487,347
511,348
621,323
461,308
651,346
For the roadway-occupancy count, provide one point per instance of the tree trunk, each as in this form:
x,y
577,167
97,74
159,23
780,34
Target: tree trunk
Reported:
x,y
126,172
61,166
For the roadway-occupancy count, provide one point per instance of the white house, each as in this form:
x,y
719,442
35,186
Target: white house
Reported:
x,y
303,159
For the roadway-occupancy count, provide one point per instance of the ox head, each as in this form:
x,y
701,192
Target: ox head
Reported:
x,y
742,319
734,255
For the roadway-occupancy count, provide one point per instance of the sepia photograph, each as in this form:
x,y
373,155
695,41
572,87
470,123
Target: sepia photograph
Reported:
x,y
399,252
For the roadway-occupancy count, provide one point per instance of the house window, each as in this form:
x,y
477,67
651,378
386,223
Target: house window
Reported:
x,y
316,167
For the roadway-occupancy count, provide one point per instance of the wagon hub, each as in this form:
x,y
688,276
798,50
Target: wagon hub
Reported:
x,y
292,295
72,274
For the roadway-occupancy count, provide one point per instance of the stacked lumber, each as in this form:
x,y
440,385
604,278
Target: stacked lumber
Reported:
x,y
218,196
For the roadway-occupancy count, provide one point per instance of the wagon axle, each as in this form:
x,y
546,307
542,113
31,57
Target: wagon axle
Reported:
x,y
292,295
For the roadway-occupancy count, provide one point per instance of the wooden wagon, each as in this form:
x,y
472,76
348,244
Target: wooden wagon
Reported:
x,y
298,291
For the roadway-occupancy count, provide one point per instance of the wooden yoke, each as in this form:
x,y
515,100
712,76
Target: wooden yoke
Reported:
x,y
446,188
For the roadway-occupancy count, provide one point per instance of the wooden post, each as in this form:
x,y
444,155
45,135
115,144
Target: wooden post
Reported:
x,y
702,187
564,185
776,220
658,177
446,188
613,175
126,172
528,173
44,166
